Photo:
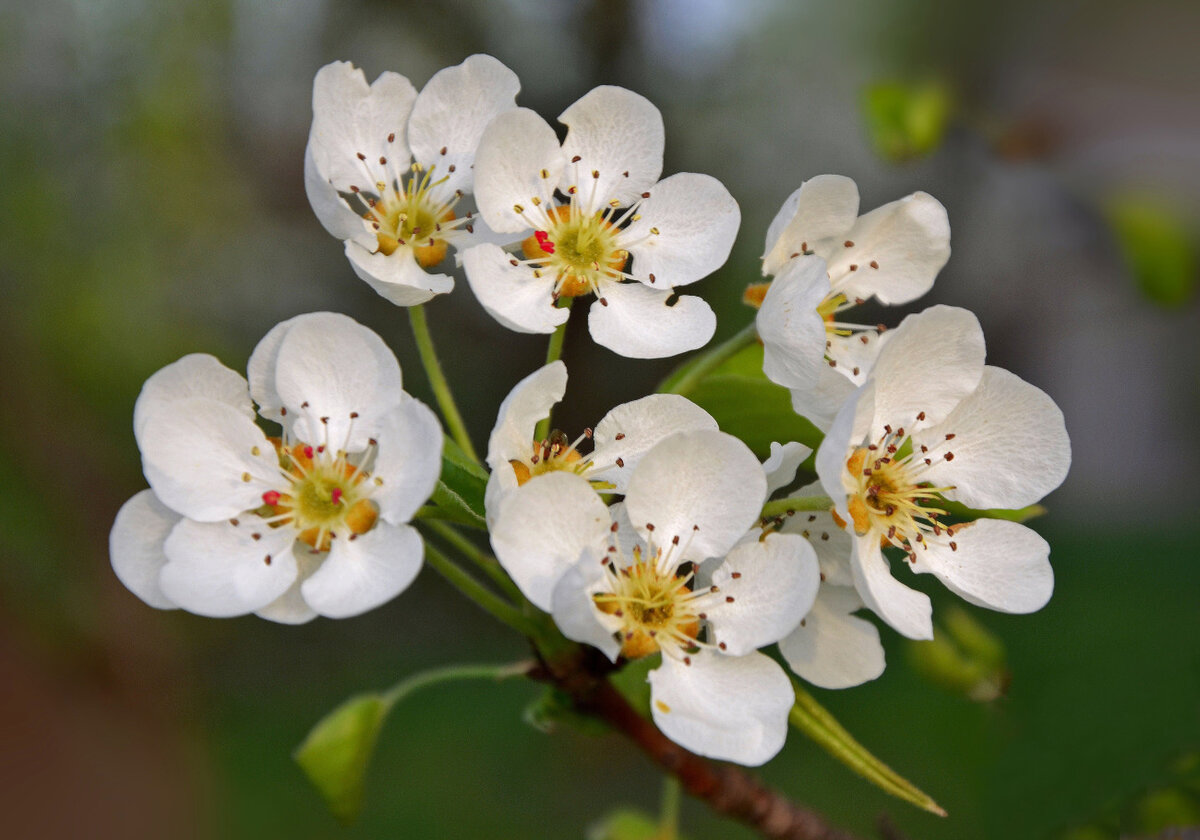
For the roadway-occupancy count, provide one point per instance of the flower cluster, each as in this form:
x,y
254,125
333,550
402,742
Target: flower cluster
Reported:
x,y
649,535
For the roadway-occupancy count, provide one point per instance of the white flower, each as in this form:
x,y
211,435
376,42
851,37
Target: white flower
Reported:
x,y
627,583
828,259
593,203
309,523
396,216
831,647
619,439
933,421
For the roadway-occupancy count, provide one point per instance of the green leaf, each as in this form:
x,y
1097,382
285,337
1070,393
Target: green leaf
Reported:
x,y
626,824
814,720
906,120
963,656
460,489
336,752
1158,248
749,406
454,453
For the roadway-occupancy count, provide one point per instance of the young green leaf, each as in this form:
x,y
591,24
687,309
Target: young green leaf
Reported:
x,y
817,723
336,752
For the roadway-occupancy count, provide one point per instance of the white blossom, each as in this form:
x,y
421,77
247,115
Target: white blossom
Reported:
x,y
386,168
630,582
933,422
826,259
603,223
312,522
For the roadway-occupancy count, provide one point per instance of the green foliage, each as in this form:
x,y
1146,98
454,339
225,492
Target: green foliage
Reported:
x,y
336,752
963,656
817,723
906,120
553,708
749,406
458,495
1158,248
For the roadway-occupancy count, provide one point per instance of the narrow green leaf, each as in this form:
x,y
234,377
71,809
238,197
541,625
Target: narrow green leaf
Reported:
x,y
454,453
817,723
749,406
460,489
452,506
336,752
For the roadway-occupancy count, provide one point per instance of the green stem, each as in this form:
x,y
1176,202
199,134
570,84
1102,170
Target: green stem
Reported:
x,y
963,512
781,507
437,380
685,379
500,609
489,564
553,354
668,821
411,683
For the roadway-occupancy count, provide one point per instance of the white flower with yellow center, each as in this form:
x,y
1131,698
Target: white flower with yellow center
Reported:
x,y
630,582
312,522
933,422
385,169
827,259
618,441
602,224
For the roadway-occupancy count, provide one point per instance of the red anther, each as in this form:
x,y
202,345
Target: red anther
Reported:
x,y
543,241
308,452
336,495
271,497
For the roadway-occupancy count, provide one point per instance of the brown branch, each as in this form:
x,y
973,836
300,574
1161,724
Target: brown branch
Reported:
x,y
728,790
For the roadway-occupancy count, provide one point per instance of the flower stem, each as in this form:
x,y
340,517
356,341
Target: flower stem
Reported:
x,y
668,820
685,378
553,354
489,564
437,380
781,507
413,682
500,609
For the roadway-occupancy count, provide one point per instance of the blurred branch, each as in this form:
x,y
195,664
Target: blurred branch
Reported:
x,y
727,789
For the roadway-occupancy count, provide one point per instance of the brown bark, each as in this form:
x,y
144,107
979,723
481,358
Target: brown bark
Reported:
x,y
728,790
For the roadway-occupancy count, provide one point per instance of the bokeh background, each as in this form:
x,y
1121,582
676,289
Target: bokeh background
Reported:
x,y
151,205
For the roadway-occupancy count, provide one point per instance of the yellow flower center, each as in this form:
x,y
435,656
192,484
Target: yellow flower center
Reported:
x,y
657,607
579,249
407,212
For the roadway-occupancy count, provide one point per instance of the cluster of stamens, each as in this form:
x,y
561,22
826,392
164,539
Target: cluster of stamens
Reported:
x,y
404,210
576,244
891,498
327,494
654,597
554,453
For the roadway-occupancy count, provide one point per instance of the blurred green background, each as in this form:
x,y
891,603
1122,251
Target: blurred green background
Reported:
x,y
151,205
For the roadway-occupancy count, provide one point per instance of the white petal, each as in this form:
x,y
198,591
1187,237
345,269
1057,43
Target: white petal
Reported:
x,y
775,584
135,546
820,404
338,378
544,527
907,610
909,241
408,460
219,569
619,135
290,607
824,208
845,432
782,463
452,111
704,487
514,151
195,375
575,612
1010,445
330,208
363,573
350,118
529,401
199,457
685,231
397,276
791,329
930,364
724,707
832,648
629,431
854,355
510,293
997,564
634,321
831,542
